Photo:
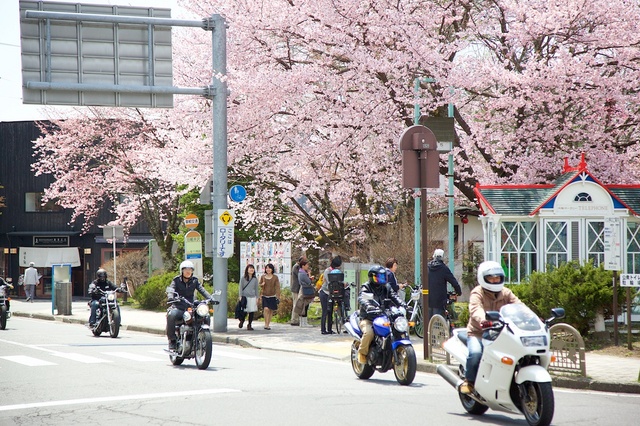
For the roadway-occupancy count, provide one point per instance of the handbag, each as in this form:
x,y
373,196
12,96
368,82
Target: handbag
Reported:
x,y
240,311
308,292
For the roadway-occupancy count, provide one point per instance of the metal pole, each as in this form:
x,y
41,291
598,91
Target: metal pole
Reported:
x,y
425,255
452,265
115,281
416,200
219,193
615,309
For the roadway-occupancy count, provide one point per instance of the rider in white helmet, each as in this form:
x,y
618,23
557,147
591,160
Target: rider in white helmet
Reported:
x,y
489,295
184,285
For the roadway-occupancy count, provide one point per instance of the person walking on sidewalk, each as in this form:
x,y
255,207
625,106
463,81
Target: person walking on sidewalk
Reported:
x,y
249,295
295,289
307,292
270,285
439,276
31,280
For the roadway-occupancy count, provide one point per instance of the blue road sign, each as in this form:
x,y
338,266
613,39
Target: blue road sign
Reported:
x,y
237,193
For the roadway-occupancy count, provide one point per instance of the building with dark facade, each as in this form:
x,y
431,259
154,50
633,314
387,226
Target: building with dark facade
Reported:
x,y
33,232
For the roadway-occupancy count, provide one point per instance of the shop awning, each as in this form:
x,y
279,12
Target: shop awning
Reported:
x,y
44,257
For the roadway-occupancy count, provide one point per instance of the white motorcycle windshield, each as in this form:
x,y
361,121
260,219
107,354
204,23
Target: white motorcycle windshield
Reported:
x,y
522,317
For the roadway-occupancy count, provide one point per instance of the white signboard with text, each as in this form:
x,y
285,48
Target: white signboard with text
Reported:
x,y
612,244
224,233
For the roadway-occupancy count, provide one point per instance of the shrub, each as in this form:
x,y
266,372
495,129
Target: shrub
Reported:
x,y
582,290
152,294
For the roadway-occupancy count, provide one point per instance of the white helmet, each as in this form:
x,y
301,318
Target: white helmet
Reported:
x,y
490,268
187,264
438,253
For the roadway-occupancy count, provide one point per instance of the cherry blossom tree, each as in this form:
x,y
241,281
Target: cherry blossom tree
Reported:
x,y
320,92
117,163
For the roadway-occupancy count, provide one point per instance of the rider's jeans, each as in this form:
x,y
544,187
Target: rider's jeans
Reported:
x,y
474,345
367,336
94,308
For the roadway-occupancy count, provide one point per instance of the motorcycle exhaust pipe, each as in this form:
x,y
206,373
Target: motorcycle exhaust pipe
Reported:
x,y
451,377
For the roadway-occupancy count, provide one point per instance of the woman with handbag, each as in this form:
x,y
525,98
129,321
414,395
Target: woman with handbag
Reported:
x,y
270,285
307,292
249,295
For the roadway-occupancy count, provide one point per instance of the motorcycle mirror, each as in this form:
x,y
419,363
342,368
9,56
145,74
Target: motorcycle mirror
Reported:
x,y
557,313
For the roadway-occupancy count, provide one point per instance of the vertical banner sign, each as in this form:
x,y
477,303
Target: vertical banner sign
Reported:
x,y
224,234
193,244
193,251
612,244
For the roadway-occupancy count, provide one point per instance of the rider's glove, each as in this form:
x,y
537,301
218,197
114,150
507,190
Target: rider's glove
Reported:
x,y
485,324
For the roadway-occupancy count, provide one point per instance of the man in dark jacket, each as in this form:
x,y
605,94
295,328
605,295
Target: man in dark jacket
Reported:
x,y
372,296
102,283
183,285
439,276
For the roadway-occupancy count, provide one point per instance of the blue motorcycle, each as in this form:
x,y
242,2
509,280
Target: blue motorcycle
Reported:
x,y
391,347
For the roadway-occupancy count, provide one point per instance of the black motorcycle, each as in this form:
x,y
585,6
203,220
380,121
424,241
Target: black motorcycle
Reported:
x,y
5,313
193,330
108,312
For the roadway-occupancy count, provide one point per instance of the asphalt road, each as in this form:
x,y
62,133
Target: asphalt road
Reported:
x,y
59,374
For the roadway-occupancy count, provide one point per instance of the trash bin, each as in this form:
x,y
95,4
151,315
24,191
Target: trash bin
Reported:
x,y
63,297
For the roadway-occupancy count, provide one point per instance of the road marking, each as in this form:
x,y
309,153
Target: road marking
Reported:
x,y
132,356
114,398
86,359
27,360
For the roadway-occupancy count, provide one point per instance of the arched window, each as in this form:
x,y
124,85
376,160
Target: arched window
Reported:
x,y
583,196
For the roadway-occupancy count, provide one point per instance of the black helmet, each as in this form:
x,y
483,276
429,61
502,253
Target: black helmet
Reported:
x,y
101,274
377,275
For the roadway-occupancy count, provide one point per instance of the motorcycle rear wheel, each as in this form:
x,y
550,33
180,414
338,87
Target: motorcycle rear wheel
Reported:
x,y
114,327
97,329
418,328
175,360
537,403
204,347
363,371
471,406
405,369
3,317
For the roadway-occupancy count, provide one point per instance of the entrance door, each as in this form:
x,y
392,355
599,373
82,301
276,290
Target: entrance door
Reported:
x,y
573,239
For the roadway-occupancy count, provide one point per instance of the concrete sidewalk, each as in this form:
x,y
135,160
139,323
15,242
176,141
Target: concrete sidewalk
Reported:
x,y
605,373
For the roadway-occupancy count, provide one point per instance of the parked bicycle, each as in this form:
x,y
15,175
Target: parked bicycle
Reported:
x,y
449,311
339,297
414,310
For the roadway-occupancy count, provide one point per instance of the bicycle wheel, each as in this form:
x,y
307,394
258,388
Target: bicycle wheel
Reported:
x,y
419,320
338,317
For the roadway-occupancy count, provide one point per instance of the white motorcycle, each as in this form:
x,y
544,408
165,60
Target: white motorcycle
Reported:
x,y
512,375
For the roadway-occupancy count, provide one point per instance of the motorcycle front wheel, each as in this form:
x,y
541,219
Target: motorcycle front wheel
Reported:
x,y
3,317
537,403
114,327
204,345
363,371
405,368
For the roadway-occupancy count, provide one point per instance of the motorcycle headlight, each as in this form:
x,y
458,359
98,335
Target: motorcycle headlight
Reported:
x,y
186,317
111,297
202,309
401,324
533,341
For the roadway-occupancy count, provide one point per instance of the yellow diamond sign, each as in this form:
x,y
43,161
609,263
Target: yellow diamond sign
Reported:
x,y
226,218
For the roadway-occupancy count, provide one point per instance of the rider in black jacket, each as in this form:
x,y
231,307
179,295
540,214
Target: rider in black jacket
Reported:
x,y
372,307
102,283
184,285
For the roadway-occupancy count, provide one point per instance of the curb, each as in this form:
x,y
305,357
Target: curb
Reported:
x,y
567,382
